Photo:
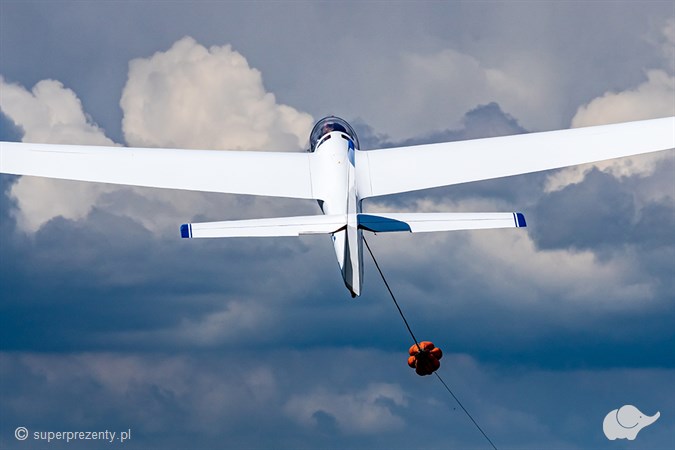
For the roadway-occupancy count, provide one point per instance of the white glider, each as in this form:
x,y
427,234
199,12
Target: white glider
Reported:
x,y
339,175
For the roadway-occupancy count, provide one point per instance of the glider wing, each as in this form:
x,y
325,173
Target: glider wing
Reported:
x,y
402,169
236,172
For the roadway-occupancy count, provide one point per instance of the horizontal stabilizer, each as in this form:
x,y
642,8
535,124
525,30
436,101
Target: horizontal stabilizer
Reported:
x,y
427,222
279,226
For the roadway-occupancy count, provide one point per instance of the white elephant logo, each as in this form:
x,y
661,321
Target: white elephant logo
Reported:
x,y
626,422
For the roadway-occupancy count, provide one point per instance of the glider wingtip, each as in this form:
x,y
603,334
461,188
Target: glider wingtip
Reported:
x,y
185,231
520,220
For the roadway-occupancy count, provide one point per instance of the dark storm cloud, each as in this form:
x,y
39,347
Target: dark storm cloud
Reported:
x,y
599,201
147,308
108,274
525,323
604,214
483,121
608,205
304,399
599,215
107,283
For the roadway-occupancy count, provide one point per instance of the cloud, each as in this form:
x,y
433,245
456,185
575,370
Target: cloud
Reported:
x,y
193,97
227,309
621,205
274,400
51,113
666,41
488,120
365,411
482,121
653,98
593,256
432,91
186,97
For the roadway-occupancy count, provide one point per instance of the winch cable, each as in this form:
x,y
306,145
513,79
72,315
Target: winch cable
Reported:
x,y
418,347
407,325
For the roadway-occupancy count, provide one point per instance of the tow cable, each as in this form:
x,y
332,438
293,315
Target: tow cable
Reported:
x,y
424,351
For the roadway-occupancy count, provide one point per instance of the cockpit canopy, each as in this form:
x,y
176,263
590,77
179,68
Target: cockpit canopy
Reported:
x,y
328,125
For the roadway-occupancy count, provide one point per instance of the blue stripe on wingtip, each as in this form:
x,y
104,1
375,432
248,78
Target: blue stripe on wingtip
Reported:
x,y
185,230
520,220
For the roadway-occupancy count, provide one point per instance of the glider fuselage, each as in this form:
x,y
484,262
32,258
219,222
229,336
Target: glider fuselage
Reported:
x,y
334,143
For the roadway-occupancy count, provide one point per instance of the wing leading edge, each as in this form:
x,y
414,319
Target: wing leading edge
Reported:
x,y
403,169
235,172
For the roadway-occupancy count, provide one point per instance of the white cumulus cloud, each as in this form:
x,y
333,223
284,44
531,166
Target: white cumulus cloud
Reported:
x,y
186,97
194,97
51,113
653,98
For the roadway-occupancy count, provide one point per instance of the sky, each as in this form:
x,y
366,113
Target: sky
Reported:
x,y
109,321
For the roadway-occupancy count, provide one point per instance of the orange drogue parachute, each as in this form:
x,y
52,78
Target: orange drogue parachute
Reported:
x,y
424,358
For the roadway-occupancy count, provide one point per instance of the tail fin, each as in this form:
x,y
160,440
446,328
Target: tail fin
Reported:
x,y
426,222
280,226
